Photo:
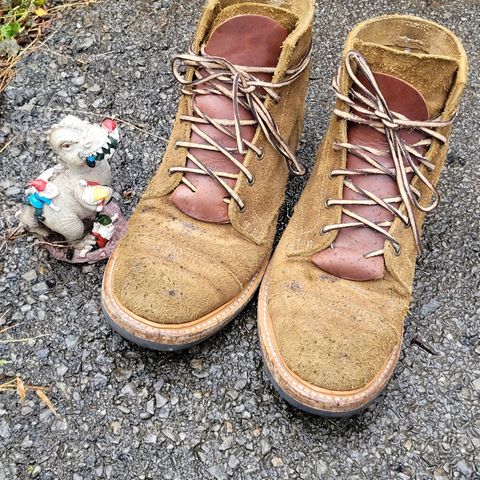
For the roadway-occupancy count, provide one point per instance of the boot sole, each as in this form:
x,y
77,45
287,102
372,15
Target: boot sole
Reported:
x,y
306,396
171,337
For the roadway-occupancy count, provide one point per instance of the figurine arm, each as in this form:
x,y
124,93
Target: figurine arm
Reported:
x,y
47,174
78,194
53,207
92,197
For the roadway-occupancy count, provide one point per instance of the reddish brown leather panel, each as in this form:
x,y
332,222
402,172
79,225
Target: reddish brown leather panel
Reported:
x,y
346,258
247,40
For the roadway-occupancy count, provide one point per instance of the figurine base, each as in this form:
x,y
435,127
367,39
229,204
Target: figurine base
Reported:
x,y
69,255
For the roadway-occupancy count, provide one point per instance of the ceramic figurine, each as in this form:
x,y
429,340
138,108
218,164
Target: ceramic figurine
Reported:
x,y
72,201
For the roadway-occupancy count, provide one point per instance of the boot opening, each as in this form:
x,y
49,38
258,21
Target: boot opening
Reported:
x,y
411,34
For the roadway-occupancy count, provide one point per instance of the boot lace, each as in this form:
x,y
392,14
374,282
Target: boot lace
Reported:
x,y
217,76
371,109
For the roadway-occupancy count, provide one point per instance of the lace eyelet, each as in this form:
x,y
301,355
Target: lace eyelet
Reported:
x,y
398,251
242,209
326,204
322,231
251,182
262,154
175,146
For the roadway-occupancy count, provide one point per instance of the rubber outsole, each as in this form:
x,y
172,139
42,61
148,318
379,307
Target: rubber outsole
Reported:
x,y
146,343
314,411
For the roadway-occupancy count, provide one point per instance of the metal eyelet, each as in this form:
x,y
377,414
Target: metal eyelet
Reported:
x,y
242,209
397,252
251,182
326,204
336,146
262,154
322,231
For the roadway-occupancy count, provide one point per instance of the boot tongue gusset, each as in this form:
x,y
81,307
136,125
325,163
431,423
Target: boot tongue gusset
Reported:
x,y
346,256
245,40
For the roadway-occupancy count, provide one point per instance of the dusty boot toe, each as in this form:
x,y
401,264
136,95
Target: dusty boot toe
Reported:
x,y
164,288
172,290
330,344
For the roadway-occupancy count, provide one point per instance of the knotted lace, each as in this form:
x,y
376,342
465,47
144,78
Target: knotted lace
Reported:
x,y
217,76
371,109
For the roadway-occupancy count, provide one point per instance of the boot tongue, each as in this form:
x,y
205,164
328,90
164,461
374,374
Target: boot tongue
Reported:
x,y
431,75
346,257
245,40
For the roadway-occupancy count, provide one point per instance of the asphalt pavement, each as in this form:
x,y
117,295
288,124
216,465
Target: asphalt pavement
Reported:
x,y
210,413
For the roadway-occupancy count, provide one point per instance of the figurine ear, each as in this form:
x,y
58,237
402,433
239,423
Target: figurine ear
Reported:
x,y
51,136
50,132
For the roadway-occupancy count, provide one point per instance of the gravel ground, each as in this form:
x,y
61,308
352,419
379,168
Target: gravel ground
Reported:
x,y
210,413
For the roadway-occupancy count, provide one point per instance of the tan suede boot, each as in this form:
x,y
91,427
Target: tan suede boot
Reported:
x,y
200,239
334,298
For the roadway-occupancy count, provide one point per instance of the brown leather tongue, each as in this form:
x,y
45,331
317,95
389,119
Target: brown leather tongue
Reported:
x,y
345,258
246,40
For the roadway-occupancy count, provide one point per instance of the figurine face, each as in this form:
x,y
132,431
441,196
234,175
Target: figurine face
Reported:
x,y
78,142
106,231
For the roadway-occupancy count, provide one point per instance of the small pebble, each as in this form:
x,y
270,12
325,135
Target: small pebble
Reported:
x,y
30,275
79,81
40,287
13,191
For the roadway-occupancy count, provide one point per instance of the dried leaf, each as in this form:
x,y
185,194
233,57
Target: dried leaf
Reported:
x,y
40,12
43,397
21,391
43,270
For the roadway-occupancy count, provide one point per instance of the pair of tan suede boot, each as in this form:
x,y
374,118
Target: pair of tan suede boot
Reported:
x,y
335,293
